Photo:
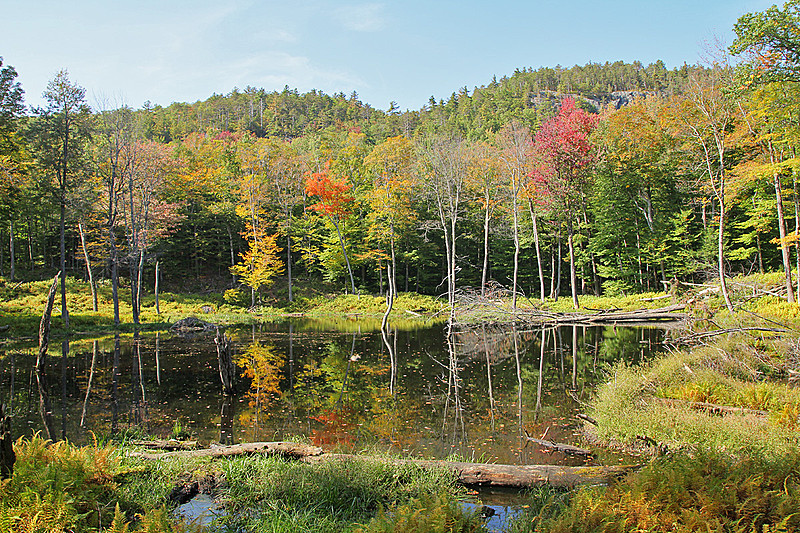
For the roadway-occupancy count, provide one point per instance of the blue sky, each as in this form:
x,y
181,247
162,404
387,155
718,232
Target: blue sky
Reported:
x,y
169,51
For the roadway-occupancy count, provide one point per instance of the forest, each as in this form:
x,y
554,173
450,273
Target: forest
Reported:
x,y
597,179
617,246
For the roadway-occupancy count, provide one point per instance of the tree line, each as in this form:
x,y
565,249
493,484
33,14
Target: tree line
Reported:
x,y
546,183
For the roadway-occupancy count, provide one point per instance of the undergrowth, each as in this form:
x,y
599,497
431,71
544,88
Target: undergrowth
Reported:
x,y
60,487
690,492
330,495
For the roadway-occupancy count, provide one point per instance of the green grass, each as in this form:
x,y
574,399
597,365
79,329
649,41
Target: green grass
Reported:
x,y
427,514
628,405
61,487
21,306
338,493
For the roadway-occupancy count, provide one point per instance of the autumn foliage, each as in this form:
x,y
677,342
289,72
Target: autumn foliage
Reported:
x,y
333,195
563,144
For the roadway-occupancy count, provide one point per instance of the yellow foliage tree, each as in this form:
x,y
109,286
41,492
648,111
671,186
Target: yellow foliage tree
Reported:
x,y
260,263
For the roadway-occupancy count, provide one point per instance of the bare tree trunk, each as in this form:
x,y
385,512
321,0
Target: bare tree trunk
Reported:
x,y
787,262
538,251
233,256
558,270
30,244
389,298
380,277
346,259
155,287
7,455
63,259
572,273
139,273
92,285
485,248
516,255
721,253
11,247
796,226
289,264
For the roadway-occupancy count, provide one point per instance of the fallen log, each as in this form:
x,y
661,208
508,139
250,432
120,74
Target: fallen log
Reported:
x,y
292,450
168,445
512,476
606,316
587,418
653,299
557,446
694,337
495,475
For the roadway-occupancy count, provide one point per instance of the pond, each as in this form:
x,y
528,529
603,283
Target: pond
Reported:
x,y
345,385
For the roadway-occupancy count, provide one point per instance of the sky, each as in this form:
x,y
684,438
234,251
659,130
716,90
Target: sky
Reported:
x,y
163,51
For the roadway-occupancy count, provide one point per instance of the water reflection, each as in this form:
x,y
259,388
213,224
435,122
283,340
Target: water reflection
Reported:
x,y
431,392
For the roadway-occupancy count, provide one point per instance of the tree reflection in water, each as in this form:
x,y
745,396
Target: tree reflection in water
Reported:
x,y
432,392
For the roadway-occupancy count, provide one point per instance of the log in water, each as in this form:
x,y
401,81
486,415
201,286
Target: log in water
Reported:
x,y
485,474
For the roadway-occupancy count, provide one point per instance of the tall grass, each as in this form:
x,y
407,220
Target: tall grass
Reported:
x,y
690,492
334,494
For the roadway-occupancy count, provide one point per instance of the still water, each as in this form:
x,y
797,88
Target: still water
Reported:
x,y
343,385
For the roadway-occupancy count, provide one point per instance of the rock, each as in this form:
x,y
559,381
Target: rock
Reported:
x,y
192,324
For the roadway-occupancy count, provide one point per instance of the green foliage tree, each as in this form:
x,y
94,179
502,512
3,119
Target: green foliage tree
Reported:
x,y
770,40
59,134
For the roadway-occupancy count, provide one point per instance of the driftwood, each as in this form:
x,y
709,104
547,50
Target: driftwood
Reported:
x,y
653,299
285,449
497,475
169,445
713,408
564,448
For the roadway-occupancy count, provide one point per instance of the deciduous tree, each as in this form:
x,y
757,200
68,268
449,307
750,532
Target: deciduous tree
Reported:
x,y
565,158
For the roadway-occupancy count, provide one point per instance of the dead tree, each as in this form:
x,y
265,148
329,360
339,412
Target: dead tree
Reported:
x,y
7,456
227,370
45,409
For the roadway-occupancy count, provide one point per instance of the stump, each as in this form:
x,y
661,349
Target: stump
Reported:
x,y
7,456
227,370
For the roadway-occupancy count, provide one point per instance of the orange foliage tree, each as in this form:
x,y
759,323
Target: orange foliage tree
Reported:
x,y
333,202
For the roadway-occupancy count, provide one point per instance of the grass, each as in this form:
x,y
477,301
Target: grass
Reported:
x,y
61,487
337,494
426,514
688,492
21,306
628,405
